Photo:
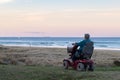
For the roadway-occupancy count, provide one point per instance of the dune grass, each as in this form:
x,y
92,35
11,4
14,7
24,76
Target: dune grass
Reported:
x,y
15,72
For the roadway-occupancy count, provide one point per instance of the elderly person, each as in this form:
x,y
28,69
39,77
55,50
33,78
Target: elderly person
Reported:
x,y
78,53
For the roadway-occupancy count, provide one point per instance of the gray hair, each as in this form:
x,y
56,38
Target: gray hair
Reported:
x,y
87,36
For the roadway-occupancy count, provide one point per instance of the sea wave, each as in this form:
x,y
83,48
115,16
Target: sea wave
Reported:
x,y
58,42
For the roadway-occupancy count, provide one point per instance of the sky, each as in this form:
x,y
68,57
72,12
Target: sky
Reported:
x,y
59,18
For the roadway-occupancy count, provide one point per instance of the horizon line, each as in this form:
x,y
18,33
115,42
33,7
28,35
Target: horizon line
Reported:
x,y
64,36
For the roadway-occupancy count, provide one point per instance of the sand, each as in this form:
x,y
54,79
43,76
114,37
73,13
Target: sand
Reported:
x,y
51,56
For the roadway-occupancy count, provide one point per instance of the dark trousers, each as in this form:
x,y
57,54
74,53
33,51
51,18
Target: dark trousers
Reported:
x,y
74,57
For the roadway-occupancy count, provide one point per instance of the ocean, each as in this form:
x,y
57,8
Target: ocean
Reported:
x,y
59,42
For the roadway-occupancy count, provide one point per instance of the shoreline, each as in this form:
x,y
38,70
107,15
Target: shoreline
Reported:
x,y
57,47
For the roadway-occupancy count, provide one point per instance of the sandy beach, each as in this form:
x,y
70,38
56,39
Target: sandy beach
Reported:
x,y
51,56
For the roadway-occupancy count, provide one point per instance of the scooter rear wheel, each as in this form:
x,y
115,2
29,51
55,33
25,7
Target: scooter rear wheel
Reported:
x,y
80,67
91,67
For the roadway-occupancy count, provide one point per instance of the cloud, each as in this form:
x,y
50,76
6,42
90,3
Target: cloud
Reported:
x,y
5,1
35,32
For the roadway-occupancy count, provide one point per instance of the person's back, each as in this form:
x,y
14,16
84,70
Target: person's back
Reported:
x,y
82,44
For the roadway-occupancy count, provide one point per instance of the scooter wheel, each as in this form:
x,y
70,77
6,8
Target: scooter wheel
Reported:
x,y
65,64
91,67
80,67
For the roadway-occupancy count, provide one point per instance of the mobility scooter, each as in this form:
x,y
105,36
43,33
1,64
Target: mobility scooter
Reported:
x,y
81,64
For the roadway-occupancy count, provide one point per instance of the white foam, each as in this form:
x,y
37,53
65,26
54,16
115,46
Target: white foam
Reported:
x,y
60,47
107,48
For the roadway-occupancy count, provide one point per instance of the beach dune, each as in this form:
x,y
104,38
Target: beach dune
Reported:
x,y
51,56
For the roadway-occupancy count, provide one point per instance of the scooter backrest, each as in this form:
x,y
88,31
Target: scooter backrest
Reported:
x,y
88,48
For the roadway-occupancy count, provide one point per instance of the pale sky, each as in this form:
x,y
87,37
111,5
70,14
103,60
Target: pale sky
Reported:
x,y
60,18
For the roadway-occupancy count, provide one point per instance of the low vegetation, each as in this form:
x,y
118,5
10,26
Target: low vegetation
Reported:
x,y
16,72
22,63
